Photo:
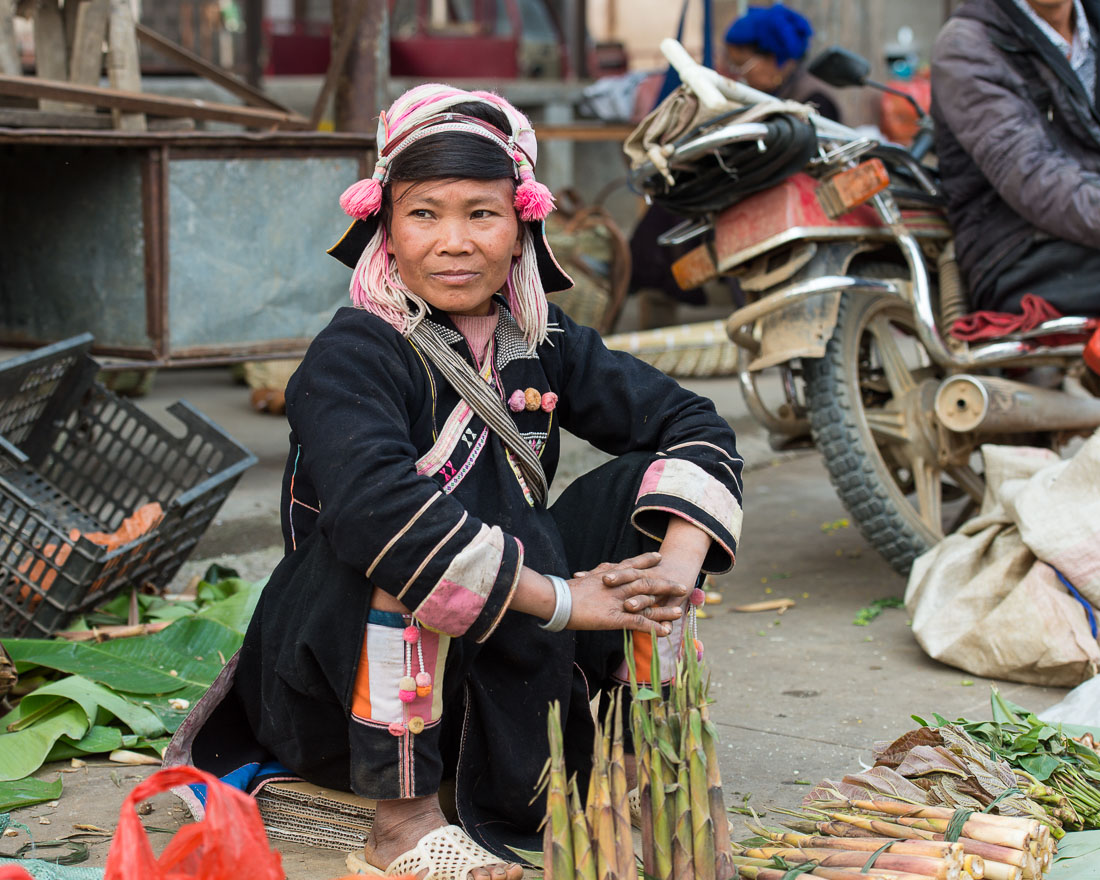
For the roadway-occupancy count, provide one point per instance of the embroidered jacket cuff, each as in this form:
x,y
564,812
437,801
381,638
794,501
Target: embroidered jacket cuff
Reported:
x,y
473,592
682,488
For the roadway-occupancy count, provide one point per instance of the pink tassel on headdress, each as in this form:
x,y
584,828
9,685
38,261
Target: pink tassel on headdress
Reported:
x,y
533,200
362,199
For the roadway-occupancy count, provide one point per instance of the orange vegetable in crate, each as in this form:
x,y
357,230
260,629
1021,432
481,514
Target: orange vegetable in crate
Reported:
x,y
42,575
142,520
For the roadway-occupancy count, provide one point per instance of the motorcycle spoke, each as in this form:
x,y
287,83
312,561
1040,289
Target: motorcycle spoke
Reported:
x,y
926,476
887,426
968,481
898,373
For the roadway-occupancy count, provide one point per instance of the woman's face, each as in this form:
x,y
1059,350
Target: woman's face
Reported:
x,y
755,69
454,240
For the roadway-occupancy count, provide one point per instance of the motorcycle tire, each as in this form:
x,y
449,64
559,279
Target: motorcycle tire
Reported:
x,y
875,472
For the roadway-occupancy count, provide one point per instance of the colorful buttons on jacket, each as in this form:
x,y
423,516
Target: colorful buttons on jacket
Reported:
x,y
531,399
416,724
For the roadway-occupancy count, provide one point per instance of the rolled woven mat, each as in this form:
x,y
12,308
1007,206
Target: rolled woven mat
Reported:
x,y
684,351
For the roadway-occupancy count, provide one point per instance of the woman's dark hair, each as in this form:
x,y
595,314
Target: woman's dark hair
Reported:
x,y
453,155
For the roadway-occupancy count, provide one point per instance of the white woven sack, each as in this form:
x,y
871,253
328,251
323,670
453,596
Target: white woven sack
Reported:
x,y
982,601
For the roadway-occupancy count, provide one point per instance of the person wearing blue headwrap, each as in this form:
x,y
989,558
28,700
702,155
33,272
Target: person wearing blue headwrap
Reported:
x,y
765,48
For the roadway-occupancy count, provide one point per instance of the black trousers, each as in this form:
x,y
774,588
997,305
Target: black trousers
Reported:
x,y
1065,274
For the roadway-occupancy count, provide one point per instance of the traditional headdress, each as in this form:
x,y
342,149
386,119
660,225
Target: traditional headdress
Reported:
x,y
423,112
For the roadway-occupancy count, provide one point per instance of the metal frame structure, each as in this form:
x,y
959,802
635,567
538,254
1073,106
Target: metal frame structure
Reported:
x,y
156,152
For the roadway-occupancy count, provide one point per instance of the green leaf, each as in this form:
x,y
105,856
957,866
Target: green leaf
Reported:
x,y
645,693
236,610
189,648
1005,711
25,792
215,574
529,856
24,752
97,741
1078,857
96,701
1040,766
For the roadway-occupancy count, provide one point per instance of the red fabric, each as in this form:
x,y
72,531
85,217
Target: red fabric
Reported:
x,y
14,872
980,326
1092,352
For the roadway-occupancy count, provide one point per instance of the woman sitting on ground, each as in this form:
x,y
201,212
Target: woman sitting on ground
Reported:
x,y
423,617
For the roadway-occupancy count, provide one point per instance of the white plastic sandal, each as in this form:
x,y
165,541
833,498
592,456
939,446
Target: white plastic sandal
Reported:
x,y
448,853
634,799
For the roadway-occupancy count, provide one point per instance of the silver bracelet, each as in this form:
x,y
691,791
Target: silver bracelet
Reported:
x,y
563,605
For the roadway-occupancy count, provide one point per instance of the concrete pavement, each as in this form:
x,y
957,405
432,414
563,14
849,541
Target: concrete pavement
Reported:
x,y
799,696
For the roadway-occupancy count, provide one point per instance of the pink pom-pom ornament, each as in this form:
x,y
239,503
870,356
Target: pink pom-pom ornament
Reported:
x,y
397,728
362,199
411,635
533,200
423,679
518,401
549,401
698,597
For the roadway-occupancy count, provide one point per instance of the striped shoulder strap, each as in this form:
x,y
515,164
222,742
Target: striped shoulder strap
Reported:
x,y
485,402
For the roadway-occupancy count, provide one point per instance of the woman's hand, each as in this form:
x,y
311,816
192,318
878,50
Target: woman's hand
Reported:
x,y
632,594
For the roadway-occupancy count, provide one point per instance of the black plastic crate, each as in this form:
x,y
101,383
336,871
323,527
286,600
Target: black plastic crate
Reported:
x,y
75,459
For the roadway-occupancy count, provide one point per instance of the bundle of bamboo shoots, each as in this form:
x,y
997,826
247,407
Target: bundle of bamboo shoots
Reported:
x,y
685,831
910,841
683,822
593,841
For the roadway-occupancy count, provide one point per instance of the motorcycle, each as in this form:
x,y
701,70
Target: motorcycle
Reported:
x,y
842,247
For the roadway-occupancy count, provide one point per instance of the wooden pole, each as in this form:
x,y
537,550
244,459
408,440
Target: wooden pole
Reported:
x,y
123,64
253,41
10,63
216,74
341,48
362,87
156,105
50,58
86,60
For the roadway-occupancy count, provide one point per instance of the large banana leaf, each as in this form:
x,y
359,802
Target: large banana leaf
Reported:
x,y
98,704
23,752
26,792
120,693
187,655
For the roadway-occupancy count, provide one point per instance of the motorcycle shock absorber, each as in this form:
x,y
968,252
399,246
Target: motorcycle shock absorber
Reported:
x,y
953,297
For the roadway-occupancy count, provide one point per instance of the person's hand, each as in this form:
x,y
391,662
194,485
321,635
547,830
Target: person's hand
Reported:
x,y
657,565
632,594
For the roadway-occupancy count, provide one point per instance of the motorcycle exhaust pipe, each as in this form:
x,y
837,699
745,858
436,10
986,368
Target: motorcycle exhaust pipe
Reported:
x,y
999,406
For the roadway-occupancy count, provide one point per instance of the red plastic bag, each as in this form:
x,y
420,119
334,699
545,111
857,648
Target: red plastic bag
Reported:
x,y
14,872
230,843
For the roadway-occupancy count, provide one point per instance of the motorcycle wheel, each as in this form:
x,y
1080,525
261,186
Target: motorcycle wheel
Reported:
x,y
870,401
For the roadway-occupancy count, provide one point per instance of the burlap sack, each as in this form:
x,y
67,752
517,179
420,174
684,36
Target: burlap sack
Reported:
x,y
987,600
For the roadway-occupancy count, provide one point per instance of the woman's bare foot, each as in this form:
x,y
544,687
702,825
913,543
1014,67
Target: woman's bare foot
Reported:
x,y
399,824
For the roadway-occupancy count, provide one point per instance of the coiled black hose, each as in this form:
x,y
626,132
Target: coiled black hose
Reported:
x,y
734,171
